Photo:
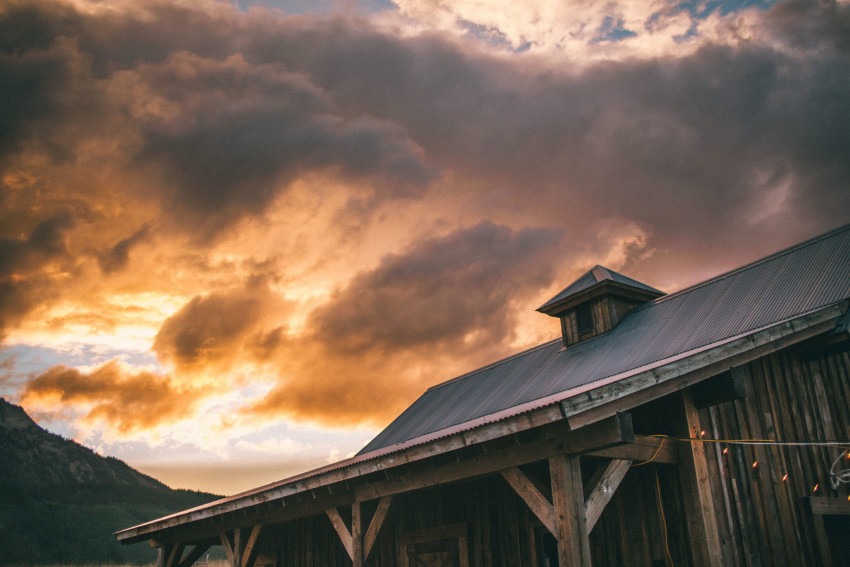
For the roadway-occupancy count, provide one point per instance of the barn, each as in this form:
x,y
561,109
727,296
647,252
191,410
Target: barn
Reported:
x,y
702,427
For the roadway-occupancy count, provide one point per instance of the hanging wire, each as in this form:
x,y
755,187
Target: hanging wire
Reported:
x,y
837,478
652,458
661,507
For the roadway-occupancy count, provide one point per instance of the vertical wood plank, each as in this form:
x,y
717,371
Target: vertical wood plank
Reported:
x,y
699,503
463,551
568,501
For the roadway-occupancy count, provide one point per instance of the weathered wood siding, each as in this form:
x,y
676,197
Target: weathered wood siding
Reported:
x,y
764,519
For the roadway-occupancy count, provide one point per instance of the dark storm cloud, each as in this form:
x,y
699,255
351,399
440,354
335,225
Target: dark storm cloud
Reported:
x,y
243,131
812,25
678,144
21,284
749,136
28,81
117,257
440,290
227,135
731,144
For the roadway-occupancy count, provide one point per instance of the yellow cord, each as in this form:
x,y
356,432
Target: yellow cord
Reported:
x,y
663,520
655,454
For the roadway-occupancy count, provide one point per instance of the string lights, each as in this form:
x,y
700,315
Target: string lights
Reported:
x,y
836,477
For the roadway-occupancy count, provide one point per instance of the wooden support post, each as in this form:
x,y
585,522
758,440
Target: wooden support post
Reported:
x,y
342,531
249,554
696,487
375,525
604,490
568,502
174,555
600,493
228,547
356,536
195,554
238,546
162,555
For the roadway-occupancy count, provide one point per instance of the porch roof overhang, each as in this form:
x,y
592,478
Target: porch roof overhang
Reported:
x,y
575,408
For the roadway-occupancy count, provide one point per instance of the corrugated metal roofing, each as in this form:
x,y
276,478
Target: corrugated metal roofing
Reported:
x,y
801,279
596,275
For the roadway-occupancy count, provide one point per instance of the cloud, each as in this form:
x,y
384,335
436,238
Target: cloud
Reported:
x,y
124,402
22,264
117,257
376,342
439,291
216,328
340,202
235,134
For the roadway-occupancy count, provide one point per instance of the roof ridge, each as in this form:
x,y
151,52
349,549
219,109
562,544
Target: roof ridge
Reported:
x,y
753,264
600,270
494,364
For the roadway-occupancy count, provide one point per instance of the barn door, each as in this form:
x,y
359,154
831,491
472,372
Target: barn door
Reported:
x,y
444,546
434,554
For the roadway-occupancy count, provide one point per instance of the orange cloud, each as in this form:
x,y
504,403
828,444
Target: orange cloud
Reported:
x,y
444,305
125,402
223,327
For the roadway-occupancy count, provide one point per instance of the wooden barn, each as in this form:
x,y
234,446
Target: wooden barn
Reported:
x,y
703,427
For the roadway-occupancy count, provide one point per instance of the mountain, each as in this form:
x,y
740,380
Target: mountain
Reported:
x,y
60,502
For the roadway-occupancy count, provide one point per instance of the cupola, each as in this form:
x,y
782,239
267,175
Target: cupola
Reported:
x,y
595,303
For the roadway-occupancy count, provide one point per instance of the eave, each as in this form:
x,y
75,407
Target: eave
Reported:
x,y
578,407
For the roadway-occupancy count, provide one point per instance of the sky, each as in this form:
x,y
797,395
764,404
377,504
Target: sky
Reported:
x,y
238,238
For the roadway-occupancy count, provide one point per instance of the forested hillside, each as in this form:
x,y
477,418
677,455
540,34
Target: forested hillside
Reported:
x,y
60,502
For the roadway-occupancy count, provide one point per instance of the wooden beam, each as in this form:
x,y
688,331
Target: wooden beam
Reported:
x,y
568,502
195,554
248,554
700,514
342,531
625,393
175,554
228,547
538,503
356,535
830,505
725,387
375,525
604,490
643,449
238,547
469,434
613,431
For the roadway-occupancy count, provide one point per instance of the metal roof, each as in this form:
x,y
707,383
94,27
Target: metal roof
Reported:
x,y
594,276
807,277
786,288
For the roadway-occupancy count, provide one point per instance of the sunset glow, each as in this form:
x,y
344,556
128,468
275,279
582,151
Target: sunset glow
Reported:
x,y
238,238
